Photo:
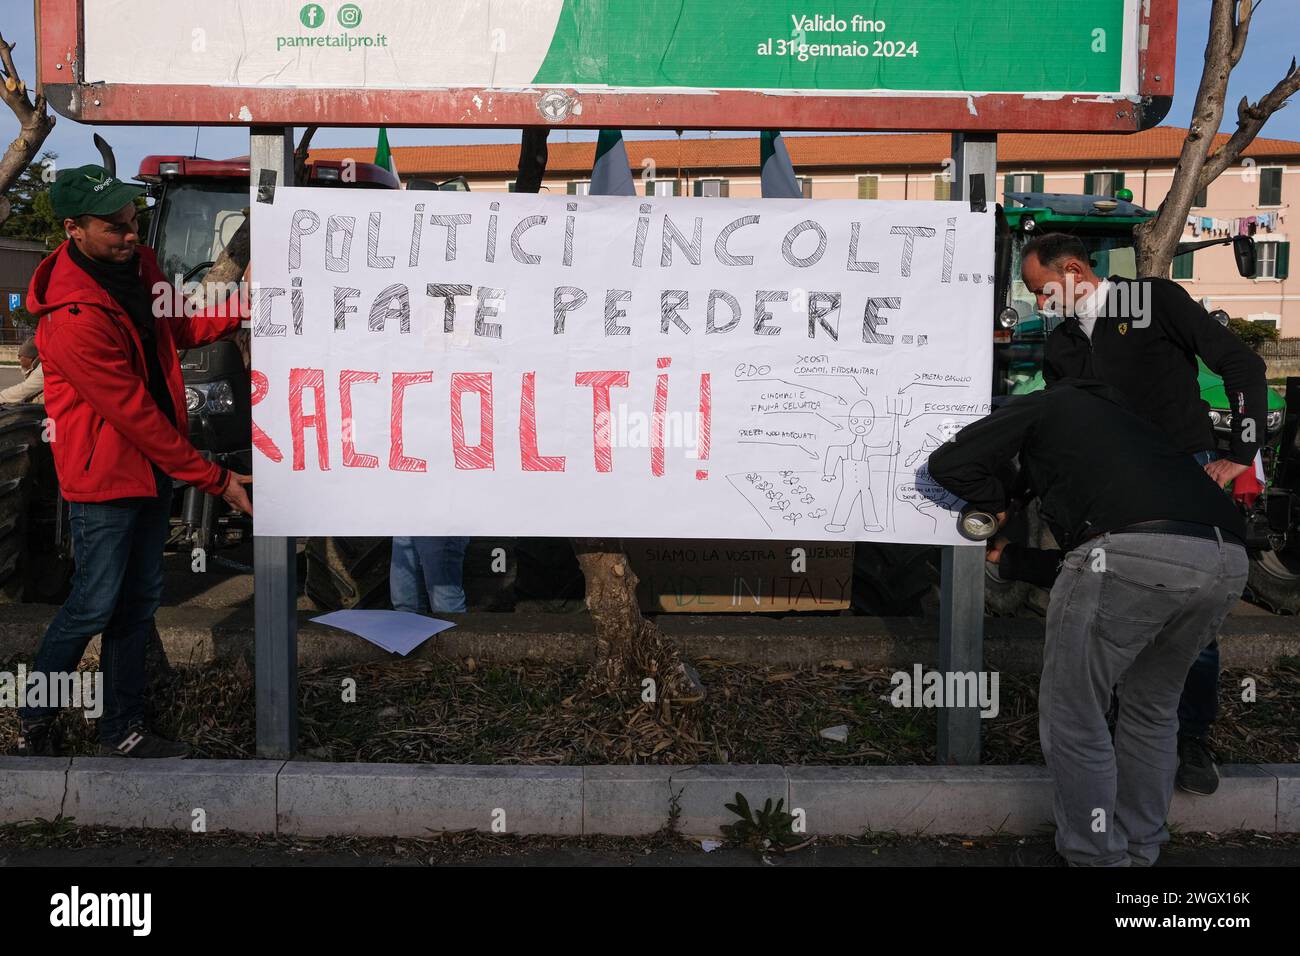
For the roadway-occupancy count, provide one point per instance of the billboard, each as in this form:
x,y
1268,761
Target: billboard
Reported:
x,y
891,64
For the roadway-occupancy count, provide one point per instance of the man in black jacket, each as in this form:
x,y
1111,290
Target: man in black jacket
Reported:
x,y
1144,337
1151,562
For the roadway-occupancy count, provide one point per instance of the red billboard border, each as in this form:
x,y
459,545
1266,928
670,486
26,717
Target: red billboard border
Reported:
x,y
59,59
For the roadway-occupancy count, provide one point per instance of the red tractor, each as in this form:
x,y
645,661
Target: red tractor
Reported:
x,y
199,204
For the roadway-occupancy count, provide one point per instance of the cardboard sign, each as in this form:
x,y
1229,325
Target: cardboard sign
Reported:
x,y
711,577
468,364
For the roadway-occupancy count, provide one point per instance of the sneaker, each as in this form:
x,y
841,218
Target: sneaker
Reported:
x,y
1196,770
39,738
144,743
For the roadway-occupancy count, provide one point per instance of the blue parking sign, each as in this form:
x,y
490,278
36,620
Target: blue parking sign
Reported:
x,y
15,301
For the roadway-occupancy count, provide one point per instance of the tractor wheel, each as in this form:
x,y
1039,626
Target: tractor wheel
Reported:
x,y
1002,598
1273,582
345,573
32,564
894,580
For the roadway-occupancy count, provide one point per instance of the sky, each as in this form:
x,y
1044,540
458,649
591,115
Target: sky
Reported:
x,y
1273,41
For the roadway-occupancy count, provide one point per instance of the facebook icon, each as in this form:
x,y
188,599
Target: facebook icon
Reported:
x,y
15,301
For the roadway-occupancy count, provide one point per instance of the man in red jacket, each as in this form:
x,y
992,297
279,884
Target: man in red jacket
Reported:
x,y
108,337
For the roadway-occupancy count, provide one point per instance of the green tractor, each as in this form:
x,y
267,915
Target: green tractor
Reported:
x,y
1105,224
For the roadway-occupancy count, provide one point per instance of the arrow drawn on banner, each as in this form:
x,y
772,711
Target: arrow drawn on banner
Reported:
x,y
933,385
783,444
969,415
861,388
836,426
799,385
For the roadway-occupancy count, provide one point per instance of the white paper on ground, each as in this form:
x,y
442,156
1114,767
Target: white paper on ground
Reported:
x,y
398,631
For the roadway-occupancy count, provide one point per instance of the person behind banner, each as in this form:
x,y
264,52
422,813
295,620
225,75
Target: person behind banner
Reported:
x,y
114,395
1144,337
1152,559
30,391
426,575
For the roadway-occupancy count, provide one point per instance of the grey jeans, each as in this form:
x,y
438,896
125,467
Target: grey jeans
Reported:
x,y
1133,611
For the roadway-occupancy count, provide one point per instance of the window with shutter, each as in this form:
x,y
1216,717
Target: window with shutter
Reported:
x,y
805,186
942,187
1282,268
711,187
1270,186
868,187
1023,183
1182,266
1202,198
1089,184
511,187
579,188
1266,260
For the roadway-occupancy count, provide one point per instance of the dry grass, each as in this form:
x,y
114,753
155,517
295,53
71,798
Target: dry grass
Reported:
x,y
485,713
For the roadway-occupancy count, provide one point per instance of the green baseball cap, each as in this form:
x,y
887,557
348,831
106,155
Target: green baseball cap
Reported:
x,y
90,191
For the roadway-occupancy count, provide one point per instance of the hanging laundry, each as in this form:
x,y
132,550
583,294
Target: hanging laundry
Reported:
x,y
1207,223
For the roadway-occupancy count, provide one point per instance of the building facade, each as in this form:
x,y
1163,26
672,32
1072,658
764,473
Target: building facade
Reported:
x,y
1257,197
18,260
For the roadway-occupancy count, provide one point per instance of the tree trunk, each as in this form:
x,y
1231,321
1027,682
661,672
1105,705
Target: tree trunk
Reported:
x,y
629,649
611,599
34,124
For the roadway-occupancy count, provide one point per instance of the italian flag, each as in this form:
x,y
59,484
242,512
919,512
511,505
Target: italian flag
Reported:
x,y
776,172
610,173
384,155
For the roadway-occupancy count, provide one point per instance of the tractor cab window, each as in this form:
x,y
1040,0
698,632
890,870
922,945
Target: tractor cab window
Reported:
x,y
1020,360
195,221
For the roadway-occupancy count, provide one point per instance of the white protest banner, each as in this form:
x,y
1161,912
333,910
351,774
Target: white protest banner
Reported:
x,y
439,363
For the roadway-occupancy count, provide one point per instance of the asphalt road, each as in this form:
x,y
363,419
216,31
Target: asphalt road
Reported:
x,y
213,850
10,375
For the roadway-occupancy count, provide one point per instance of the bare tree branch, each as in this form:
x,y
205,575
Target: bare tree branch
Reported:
x,y
1157,239
1250,120
34,121
1240,30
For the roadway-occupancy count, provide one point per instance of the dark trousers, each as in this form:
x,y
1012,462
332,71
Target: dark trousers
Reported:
x,y
1199,706
118,546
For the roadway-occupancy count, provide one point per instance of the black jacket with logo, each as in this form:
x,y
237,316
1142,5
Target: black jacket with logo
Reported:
x,y
1094,465
1147,349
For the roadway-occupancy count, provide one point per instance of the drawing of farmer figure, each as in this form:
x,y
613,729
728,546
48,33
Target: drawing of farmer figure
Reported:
x,y
855,489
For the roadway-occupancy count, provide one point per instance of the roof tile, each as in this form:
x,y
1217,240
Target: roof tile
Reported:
x,y
866,151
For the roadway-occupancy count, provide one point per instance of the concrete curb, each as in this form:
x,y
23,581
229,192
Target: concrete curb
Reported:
x,y
233,795
636,800
194,635
414,800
